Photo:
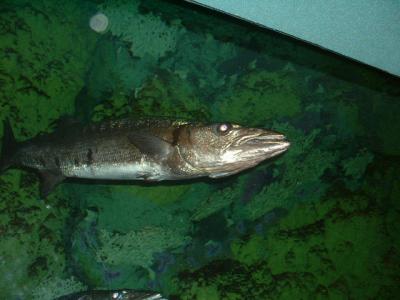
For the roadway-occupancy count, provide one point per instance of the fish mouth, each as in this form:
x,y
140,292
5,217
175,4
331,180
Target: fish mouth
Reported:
x,y
270,143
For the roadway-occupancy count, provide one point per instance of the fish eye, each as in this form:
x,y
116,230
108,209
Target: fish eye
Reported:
x,y
223,128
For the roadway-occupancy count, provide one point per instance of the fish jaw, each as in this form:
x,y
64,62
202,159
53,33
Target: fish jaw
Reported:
x,y
263,145
246,149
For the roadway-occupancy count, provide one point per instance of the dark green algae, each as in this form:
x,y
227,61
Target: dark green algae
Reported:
x,y
319,222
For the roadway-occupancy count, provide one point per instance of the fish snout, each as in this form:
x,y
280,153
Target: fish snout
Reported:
x,y
268,142
268,137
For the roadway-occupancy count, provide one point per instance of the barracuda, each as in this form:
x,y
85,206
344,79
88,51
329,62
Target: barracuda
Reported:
x,y
113,295
149,150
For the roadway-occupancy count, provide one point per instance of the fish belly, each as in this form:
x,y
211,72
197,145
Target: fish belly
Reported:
x,y
120,171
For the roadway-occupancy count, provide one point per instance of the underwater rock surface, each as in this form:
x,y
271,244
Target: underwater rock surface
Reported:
x,y
321,222
43,56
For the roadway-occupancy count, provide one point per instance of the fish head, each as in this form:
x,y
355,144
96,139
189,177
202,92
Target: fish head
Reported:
x,y
224,149
126,294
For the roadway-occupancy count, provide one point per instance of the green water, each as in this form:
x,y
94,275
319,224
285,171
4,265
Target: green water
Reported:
x,y
320,222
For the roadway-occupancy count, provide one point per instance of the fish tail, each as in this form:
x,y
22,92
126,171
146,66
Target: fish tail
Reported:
x,y
8,147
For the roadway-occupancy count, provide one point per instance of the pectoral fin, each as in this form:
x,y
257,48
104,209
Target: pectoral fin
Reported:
x,y
150,144
49,180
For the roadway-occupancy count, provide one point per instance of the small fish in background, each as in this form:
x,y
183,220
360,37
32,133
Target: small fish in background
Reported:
x,y
149,150
124,294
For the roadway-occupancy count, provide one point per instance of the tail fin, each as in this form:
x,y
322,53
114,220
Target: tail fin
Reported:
x,y
9,147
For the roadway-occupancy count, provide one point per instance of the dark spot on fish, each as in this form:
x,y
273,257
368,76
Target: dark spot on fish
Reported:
x,y
175,136
42,161
89,156
143,176
57,162
76,161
